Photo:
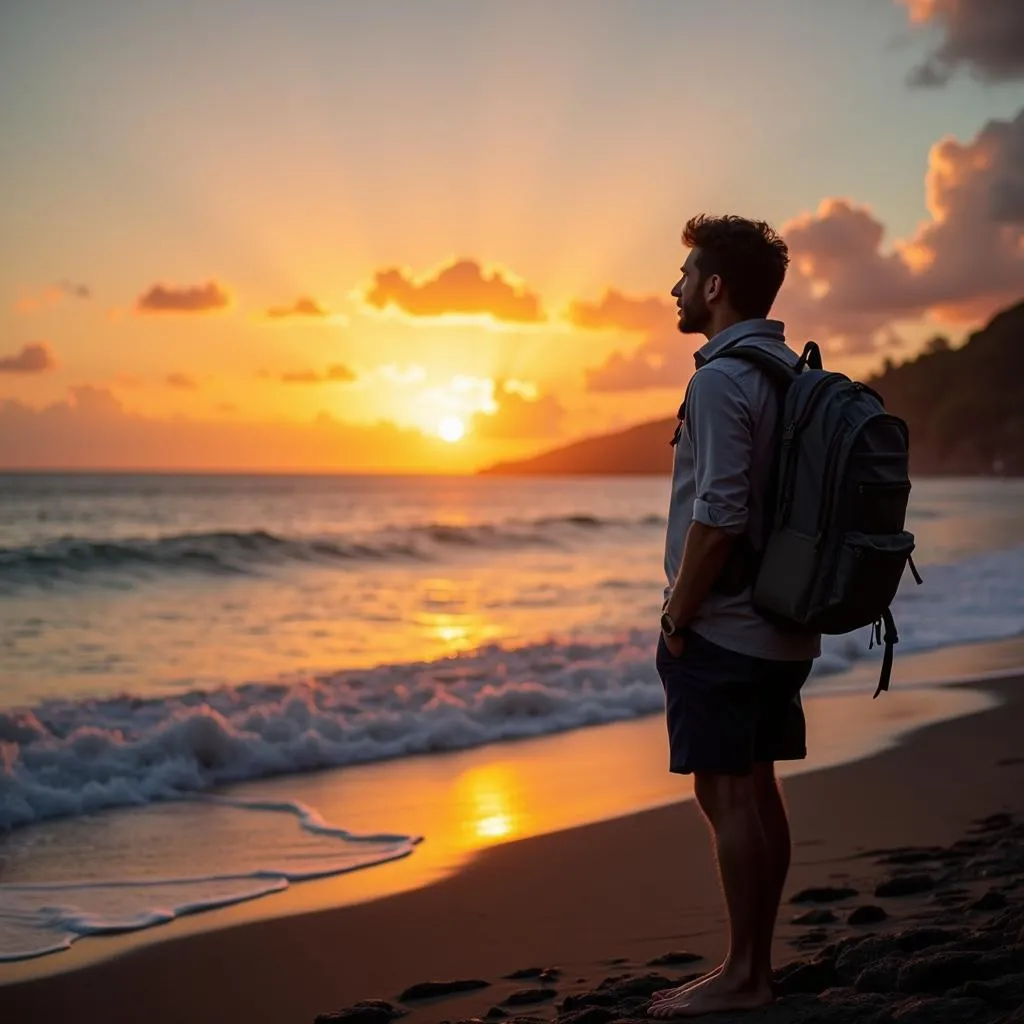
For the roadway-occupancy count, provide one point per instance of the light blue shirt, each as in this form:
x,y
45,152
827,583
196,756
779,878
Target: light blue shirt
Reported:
x,y
720,475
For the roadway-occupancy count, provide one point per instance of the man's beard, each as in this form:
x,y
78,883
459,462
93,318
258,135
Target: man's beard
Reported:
x,y
695,316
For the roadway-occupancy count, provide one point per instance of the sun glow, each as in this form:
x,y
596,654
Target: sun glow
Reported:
x,y
451,429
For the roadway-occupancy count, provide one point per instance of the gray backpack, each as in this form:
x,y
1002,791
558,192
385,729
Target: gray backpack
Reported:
x,y
834,547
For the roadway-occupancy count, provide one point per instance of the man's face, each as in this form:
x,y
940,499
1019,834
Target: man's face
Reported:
x,y
694,314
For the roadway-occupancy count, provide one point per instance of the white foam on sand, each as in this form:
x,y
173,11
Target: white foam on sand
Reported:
x,y
38,918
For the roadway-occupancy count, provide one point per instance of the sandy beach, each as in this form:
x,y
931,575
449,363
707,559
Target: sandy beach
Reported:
x,y
597,901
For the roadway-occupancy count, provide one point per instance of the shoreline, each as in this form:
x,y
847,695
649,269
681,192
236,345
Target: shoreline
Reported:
x,y
548,899
845,726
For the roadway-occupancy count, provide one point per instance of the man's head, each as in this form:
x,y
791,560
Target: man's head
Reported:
x,y
733,272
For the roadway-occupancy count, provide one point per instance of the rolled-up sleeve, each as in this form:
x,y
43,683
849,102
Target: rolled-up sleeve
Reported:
x,y
718,424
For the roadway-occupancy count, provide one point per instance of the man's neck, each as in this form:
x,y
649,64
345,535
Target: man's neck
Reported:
x,y
721,321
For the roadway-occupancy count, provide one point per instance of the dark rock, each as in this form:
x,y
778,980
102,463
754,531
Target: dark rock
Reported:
x,y
495,1013
1004,993
1009,922
882,976
433,989
906,885
615,961
673,959
823,894
589,1015
946,1011
542,973
613,991
529,996
809,976
873,948
867,915
990,901
841,1006
815,917
914,856
941,971
366,1011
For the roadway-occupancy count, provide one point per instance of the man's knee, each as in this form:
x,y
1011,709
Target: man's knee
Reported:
x,y
721,794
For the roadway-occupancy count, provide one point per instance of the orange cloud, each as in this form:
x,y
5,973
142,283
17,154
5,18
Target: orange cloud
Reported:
x,y
462,287
301,307
657,362
191,299
518,416
182,381
36,357
337,372
984,36
616,310
968,258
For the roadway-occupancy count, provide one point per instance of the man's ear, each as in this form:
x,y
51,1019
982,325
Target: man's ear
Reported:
x,y
714,288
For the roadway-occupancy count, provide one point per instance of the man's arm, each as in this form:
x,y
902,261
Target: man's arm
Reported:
x,y
705,553
718,425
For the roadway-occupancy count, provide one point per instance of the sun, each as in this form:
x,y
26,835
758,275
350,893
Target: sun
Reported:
x,y
451,429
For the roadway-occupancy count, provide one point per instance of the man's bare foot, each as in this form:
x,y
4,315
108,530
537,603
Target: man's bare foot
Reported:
x,y
671,993
715,995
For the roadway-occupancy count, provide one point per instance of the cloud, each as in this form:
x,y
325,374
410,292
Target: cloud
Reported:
x,y
962,262
461,287
622,312
984,36
182,381
656,363
659,361
36,357
518,416
301,307
200,298
51,296
337,372
92,429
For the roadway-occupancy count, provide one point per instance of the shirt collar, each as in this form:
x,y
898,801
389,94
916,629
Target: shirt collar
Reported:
x,y
768,330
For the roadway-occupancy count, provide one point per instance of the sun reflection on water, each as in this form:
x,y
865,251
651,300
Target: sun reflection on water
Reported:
x,y
490,800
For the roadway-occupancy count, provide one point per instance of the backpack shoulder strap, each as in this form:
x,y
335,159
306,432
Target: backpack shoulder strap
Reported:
x,y
779,372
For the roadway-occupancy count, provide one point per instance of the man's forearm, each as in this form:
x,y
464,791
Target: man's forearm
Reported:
x,y
704,556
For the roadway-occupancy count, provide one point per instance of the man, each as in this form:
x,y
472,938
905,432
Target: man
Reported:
x,y
732,680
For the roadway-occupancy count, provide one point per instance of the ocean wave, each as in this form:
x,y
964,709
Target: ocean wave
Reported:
x,y
69,757
232,553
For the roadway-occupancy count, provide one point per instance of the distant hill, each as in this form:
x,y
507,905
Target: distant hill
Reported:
x,y
964,407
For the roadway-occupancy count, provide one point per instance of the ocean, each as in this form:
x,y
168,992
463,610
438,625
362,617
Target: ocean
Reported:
x,y
177,653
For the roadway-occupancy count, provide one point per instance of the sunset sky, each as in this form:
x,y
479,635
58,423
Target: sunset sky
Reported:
x,y
307,234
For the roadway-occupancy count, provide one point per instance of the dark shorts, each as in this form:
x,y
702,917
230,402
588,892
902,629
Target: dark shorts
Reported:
x,y
725,711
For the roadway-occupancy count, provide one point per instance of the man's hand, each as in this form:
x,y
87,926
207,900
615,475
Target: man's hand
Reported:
x,y
675,644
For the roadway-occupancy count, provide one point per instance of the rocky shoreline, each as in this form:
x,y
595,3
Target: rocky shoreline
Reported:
x,y
939,939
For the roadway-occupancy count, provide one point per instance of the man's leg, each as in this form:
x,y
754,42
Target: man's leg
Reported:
x,y
744,980
775,824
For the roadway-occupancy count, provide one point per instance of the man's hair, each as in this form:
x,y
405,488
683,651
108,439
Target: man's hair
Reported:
x,y
748,255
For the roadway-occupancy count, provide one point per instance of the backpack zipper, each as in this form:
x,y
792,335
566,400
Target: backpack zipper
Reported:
x,y
812,402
